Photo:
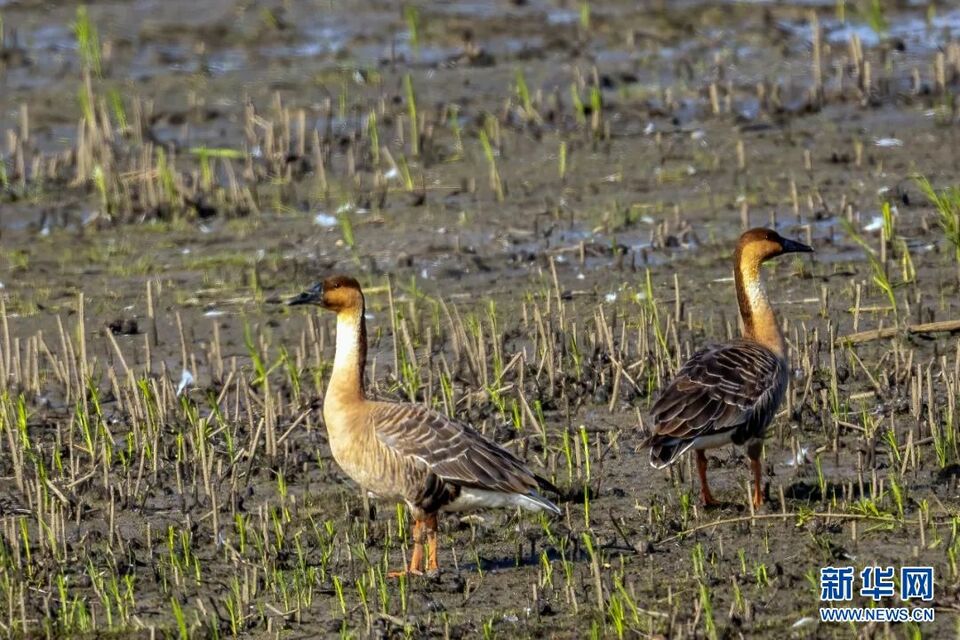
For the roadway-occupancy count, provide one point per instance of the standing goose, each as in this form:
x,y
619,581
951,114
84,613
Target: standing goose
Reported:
x,y
729,392
405,451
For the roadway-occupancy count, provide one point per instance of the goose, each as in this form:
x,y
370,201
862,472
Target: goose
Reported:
x,y
729,393
407,452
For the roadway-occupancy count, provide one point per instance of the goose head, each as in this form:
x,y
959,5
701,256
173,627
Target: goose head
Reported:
x,y
759,245
336,293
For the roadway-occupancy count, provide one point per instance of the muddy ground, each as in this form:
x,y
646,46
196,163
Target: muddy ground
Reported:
x,y
540,198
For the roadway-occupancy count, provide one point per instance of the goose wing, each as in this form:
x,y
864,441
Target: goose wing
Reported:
x,y
453,451
719,390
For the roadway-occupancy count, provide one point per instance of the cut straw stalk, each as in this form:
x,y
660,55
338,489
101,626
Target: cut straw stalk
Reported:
x,y
949,326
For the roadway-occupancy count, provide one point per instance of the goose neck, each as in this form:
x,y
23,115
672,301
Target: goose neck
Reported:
x,y
756,313
346,381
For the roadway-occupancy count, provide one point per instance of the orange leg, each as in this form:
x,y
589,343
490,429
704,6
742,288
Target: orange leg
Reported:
x,y
432,564
702,472
757,481
416,556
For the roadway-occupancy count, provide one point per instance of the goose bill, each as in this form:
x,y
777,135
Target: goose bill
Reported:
x,y
792,246
313,295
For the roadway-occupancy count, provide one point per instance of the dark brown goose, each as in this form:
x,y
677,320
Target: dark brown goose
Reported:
x,y
406,451
729,393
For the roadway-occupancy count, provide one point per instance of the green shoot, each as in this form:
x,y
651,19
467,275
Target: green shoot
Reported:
x,y
88,41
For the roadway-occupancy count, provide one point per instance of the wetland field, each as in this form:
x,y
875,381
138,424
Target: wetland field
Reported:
x,y
541,199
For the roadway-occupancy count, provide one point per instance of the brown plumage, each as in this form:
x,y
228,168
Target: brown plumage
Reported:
x,y
406,451
729,393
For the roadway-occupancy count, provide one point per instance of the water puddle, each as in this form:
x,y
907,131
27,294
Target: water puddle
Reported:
x,y
916,31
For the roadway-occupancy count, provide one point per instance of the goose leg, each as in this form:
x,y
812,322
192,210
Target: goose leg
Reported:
x,y
757,481
754,449
416,556
705,496
431,523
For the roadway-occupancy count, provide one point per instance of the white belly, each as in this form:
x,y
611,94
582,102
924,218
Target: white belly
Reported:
x,y
471,499
713,441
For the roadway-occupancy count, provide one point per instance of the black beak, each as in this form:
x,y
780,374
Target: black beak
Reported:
x,y
313,295
792,246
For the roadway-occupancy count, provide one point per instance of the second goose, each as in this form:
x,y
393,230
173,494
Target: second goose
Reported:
x,y
408,452
729,393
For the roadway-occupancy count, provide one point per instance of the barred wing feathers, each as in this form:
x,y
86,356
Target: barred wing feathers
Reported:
x,y
729,391
456,453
